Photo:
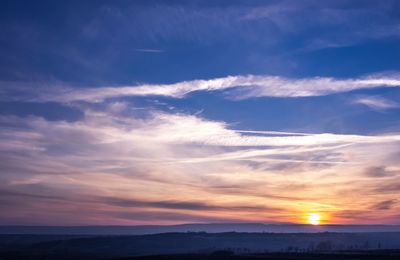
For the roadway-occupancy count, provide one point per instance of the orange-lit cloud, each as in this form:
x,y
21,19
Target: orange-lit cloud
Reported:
x,y
183,168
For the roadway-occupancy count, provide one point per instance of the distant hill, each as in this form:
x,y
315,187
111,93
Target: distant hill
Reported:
x,y
209,228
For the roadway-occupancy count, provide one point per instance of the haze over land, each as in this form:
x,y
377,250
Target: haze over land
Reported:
x,y
188,228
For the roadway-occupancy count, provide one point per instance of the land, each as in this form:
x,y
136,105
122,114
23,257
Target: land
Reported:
x,y
202,245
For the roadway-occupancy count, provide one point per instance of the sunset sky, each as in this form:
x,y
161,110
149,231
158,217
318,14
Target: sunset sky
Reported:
x,y
169,112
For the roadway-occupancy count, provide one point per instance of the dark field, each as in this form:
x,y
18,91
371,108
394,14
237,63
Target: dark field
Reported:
x,y
352,255
232,245
349,255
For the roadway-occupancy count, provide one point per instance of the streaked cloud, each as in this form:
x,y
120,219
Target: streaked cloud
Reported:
x,y
376,102
384,205
121,165
241,87
149,50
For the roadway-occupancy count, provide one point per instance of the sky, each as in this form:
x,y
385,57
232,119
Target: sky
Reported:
x,y
169,112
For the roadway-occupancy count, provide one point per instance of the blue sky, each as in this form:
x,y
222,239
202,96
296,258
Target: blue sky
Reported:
x,y
107,91
102,43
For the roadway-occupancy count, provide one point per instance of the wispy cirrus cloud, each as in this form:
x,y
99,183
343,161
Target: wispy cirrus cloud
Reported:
x,y
376,102
242,87
148,50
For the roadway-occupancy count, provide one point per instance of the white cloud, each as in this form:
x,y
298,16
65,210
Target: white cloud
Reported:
x,y
376,102
168,139
246,86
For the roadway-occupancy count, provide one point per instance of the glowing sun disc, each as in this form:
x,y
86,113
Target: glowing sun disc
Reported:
x,y
314,219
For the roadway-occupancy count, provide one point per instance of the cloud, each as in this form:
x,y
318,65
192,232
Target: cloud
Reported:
x,y
172,217
179,205
241,87
377,103
6,193
385,205
378,172
118,164
26,192
149,50
392,186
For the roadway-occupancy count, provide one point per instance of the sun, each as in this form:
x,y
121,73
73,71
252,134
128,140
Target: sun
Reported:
x,y
314,219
